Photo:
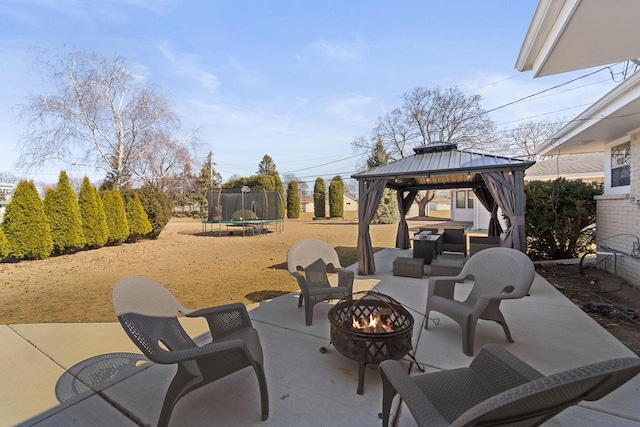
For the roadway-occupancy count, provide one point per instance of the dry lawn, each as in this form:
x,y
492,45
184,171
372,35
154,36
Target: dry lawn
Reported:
x,y
200,270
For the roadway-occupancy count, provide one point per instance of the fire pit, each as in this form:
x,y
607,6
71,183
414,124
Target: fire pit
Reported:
x,y
369,328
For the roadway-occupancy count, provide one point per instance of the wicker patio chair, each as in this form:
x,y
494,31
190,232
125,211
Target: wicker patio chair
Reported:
x,y
454,240
498,274
311,257
498,389
478,243
148,313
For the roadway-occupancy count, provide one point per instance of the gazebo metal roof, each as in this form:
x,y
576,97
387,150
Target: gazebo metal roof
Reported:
x,y
441,166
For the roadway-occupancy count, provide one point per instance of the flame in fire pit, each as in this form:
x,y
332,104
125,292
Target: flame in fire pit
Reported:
x,y
380,323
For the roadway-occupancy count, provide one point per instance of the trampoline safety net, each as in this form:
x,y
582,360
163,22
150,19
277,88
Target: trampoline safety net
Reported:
x,y
233,204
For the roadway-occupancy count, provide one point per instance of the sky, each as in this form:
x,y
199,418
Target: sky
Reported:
x,y
297,80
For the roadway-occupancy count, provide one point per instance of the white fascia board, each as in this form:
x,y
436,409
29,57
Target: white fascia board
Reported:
x,y
544,17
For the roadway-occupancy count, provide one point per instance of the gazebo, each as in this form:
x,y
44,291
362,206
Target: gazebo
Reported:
x,y
497,182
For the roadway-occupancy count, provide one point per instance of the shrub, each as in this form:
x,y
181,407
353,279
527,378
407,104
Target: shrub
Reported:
x,y
25,224
139,225
157,206
319,196
561,217
63,213
386,213
4,245
94,220
336,197
116,216
293,200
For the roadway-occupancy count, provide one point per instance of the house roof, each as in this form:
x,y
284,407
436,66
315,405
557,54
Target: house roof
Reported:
x,y
567,35
613,116
571,166
441,165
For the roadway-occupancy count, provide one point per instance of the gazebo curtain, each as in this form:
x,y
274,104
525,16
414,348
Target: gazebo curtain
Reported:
x,y
484,195
370,193
404,204
507,188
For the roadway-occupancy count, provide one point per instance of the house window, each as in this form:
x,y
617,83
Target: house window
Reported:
x,y
460,199
464,199
621,165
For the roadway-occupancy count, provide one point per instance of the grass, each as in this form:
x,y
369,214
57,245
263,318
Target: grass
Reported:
x,y
200,270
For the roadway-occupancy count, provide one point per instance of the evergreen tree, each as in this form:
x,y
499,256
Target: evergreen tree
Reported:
x,y
293,200
94,220
63,213
157,206
4,245
25,224
336,197
116,216
319,196
281,195
267,166
139,225
208,179
386,213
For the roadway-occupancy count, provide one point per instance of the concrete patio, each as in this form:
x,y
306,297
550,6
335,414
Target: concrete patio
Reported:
x,y
91,374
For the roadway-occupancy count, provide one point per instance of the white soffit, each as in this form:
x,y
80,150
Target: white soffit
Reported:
x,y
567,35
613,116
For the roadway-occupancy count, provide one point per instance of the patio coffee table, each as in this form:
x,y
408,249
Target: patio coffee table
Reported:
x,y
424,246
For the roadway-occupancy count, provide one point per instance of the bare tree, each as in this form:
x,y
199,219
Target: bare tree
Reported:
x,y
303,186
99,115
430,115
427,116
526,137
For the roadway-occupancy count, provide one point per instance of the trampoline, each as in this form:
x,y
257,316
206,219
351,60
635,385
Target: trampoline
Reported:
x,y
251,209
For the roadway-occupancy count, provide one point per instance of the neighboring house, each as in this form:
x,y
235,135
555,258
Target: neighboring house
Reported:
x,y
350,204
464,207
587,167
6,190
568,35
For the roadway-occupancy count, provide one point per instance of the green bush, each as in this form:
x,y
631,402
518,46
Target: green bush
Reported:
x,y
560,219
4,245
94,220
293,200
25,224
157,206
336,197
386,213
63,213
139,225
116,216
319,196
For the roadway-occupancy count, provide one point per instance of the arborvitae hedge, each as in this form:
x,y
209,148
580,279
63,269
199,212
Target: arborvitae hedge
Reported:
x,y
4,245
293,200
63,213
139,225
94,220
336,197
25,224
157,206
116,216
319,195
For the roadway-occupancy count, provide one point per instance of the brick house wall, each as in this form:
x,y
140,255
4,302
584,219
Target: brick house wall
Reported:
x,y
618,221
